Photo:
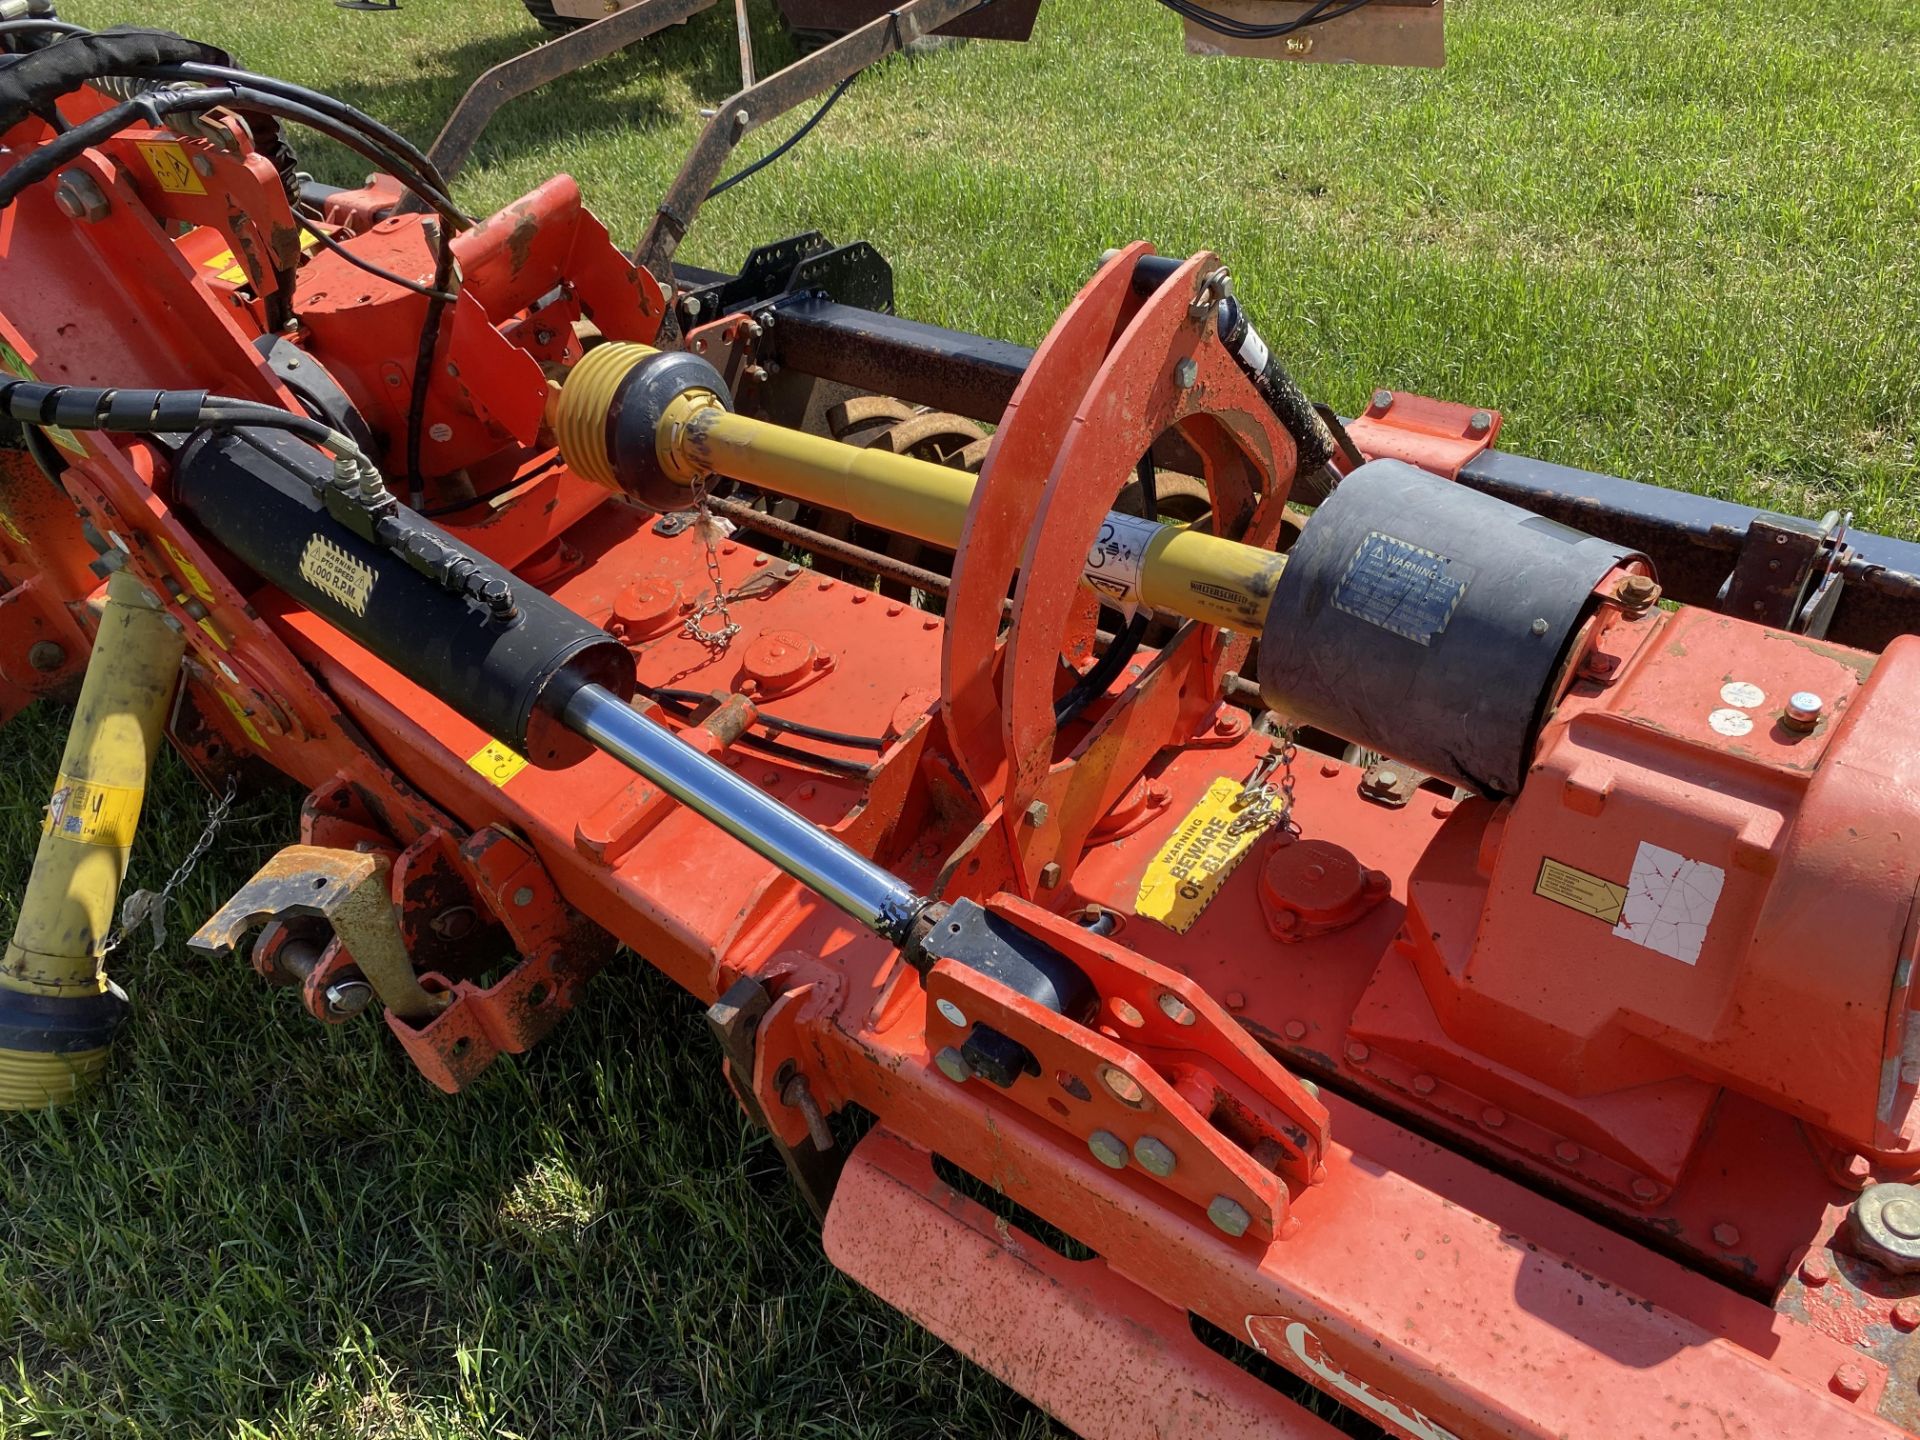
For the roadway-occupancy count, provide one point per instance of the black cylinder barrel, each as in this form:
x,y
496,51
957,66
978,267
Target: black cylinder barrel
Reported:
x,y
509,668
1427,621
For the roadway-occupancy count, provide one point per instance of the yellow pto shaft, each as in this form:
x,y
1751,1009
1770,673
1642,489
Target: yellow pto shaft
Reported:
x,y
1169,568
58,1010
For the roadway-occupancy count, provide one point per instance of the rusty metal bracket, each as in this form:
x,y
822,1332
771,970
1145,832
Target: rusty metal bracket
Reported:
x,y
1436,435
735,1018
349,890
1789,573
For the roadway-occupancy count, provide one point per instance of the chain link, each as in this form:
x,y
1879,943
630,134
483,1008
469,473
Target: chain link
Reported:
x,y
695,626
1261,803
149,907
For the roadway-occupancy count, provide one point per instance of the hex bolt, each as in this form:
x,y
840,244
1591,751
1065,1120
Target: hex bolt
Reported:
x,y
1726,1236
46,656
1567,1153
347,998
79,197
1850,1380
1109,1149
1423,1084
1645,1189
1479,423
951,1013
1493,1117
1037,814
1229,1216
1185,373
1906,1314
1154,1157
1383,400
1636,593
1050,875
1359,1054
953,1065
1814,1271
1803,711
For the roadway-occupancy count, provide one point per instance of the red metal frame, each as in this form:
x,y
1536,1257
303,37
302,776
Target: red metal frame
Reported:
x,y
1431,1117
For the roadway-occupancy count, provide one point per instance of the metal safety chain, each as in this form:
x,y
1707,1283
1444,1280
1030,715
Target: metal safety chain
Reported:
x,y
1261,803
149,907
695,626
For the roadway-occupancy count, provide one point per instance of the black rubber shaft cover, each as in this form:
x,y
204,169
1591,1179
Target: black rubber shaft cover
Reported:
x,y
1427,621
633,424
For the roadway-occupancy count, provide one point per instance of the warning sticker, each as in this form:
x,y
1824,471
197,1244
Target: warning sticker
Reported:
x,y
1578,890
241,717
189,571
499,763
336,574
171,169
1181,881
93,814
1115,561
1670,902
1402,588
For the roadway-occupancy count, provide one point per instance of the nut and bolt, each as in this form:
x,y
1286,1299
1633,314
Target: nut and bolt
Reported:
x,y
1383,400
1726,1236
1295,1030
1423,1084
1803,711
1154,1157
1814,1271
1906,1314
1358,1053
347,998
1493,1117
1050,875
1479,423
79,197
1109,1149
1229,1216
1567,1153
1037,814
46,656
1185,372
1636,593
953,1065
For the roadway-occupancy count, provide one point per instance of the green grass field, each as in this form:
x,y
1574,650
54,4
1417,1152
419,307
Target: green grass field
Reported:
x,y
1675,239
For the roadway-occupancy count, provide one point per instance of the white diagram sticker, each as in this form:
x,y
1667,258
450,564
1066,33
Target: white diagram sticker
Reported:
x,y
1742,694
1116,559
1731,722
1670,902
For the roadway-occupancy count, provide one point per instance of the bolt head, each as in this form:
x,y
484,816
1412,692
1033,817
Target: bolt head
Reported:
x,y
1229,1216
1050,875
1154,1157
1383,400
1294,1030
1906,1314
1850,1380
1185,373
1566,1152
1803,712
1109,1149
1479,423
1358,1053
1423,1084
78,197
1814,1270
1726,1236
1037,814
1540,626
1493,1117
952,1064
46,656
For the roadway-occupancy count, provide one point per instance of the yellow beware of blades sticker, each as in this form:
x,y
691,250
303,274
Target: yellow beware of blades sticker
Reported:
x,y
1181,881
93,814
172,171
497,762
239,713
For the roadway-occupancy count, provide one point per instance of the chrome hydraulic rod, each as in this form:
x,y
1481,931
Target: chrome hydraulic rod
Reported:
x,y
869,893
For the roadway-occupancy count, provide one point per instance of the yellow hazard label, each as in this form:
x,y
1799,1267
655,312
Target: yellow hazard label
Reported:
x,y
11,359
499,763
336,574
93,814
189,572
241,717
1181,881
1577,890
171,168
6,523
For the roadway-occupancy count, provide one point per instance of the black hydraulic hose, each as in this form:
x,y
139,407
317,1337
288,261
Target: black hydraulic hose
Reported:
x,y
57,152
423,369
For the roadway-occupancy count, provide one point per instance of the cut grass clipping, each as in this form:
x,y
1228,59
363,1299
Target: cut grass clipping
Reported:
x,y
1674,240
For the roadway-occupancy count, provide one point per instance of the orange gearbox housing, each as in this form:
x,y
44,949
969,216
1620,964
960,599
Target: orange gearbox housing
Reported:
x,y
1655,916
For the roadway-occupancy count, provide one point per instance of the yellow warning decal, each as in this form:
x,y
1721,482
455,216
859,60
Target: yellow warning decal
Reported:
x,y
499,763
6,524
171,168
11,359
1181,881
240,715
340,577
226,265
1577,890
189,572
93,814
